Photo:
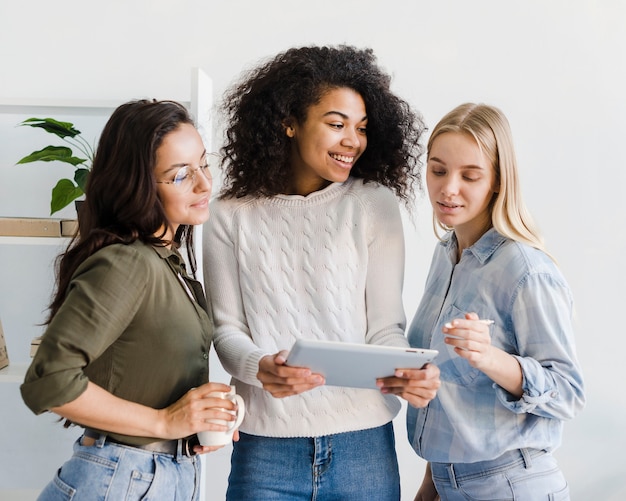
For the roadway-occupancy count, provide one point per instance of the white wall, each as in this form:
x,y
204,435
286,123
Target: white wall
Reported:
x,y
556,68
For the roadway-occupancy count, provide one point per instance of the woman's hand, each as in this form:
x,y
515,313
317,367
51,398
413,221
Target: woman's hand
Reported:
x,y
416,386
204,449
191,413
427,491
210,408
282,380
99,409
471,339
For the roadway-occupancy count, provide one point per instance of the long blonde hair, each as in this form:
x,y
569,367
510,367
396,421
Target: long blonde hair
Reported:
x,y
491,131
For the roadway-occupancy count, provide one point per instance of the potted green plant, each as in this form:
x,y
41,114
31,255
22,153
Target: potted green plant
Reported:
x,y
65,190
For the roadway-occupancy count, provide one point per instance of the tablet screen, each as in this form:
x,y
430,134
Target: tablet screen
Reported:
x,y
355,365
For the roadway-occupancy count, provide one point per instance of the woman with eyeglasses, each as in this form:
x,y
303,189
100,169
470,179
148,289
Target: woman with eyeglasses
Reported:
x,y
125,352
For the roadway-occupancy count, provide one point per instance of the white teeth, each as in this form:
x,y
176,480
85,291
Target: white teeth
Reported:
x,y
343,158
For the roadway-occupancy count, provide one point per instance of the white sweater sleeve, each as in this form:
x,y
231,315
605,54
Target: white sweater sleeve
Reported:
x,y
385,271
233,343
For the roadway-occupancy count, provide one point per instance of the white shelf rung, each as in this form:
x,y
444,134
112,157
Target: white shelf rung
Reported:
x,y
14,373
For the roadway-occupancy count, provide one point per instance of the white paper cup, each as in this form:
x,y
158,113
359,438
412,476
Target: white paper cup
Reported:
x,y
213,438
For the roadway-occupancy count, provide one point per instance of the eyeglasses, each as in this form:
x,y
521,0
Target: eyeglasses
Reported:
x,y
185,177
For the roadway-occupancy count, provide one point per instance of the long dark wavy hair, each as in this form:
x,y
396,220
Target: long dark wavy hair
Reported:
x,y
256,149
121,202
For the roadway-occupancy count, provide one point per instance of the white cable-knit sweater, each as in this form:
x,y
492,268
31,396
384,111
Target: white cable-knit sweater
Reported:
x,y
326,266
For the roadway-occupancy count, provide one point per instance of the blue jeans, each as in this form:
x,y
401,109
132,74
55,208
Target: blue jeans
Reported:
x,y
523,474
353,466
109,471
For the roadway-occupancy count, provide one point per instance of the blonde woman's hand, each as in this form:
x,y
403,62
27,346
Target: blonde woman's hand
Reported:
x,y
471,339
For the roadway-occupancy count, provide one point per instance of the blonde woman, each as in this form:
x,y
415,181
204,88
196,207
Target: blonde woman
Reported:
x,y
499,311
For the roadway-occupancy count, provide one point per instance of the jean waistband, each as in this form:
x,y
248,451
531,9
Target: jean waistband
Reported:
x,y
182,446
464,471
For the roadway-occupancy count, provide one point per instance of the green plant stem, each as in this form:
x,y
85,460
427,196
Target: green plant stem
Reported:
x,y
82,145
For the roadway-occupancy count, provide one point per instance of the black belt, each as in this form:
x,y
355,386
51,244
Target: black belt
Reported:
x,y
161,446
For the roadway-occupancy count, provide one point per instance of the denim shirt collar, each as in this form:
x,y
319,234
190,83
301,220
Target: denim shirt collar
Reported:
x,y
482,250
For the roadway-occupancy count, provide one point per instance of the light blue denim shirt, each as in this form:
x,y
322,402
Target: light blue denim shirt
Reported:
x,y
523,291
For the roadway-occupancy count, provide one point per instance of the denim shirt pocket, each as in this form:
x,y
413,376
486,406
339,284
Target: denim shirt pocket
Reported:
x,y
454,369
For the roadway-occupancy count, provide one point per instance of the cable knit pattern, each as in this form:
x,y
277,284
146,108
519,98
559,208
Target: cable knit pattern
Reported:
x,y
326,266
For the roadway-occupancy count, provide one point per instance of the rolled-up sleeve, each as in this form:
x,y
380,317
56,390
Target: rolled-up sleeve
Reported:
x,y
552,378
102,299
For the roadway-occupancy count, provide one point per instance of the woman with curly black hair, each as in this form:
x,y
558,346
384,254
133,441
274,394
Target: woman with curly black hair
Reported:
x,y
306,241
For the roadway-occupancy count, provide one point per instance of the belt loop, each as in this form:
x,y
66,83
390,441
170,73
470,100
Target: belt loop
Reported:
x,y
528,462
180,451
452,476
99,443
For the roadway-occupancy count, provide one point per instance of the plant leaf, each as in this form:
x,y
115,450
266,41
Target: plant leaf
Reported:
x,y
61,129
52,153
80,176
63,194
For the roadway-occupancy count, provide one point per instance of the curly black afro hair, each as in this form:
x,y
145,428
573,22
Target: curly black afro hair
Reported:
x,y
256,149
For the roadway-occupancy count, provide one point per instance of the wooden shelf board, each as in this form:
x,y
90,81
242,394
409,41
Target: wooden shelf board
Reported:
x,y
6,240
101,104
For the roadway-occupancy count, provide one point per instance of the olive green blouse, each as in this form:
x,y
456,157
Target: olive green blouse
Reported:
x,y
133,323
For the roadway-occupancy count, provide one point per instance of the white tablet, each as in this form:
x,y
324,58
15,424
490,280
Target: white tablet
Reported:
x,y
355,365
